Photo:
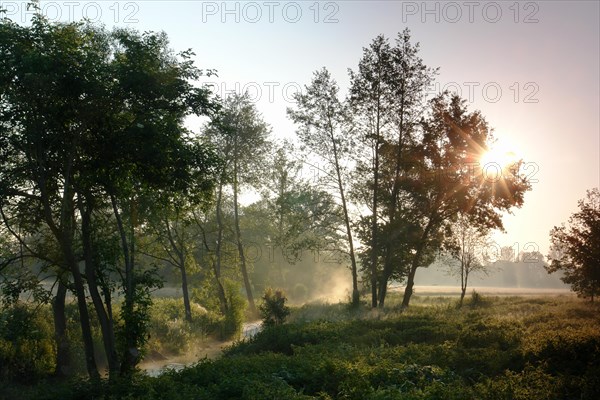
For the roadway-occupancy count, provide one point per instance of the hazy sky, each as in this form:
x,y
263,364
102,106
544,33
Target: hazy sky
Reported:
x,y
532,68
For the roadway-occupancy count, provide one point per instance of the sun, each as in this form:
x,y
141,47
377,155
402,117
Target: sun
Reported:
x,y
500,155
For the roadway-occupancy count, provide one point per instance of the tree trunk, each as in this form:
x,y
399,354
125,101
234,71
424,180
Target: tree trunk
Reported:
x,y
184,290
219,246
238,238
216,262
178,247
218,253
84,317
64,233
221,293
106,323
393,205
374,242
63,348
382,289
355,293
410,282
464,285
463,291
130,357
383,282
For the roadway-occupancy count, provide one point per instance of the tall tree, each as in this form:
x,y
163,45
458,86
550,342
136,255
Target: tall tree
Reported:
x,y
39,130
173,234
389,91
371,101
211,230
242,137
325,128
577,247
448,182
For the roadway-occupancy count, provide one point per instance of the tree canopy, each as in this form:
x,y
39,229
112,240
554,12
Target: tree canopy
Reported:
x,y
91,122
576,247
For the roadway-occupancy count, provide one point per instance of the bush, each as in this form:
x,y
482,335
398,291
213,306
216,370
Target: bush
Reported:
x,y
26,343
273,309
171,333
234,316
477,300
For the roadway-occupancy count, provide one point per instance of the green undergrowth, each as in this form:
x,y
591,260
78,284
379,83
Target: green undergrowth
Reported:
x,y
28,348
498,348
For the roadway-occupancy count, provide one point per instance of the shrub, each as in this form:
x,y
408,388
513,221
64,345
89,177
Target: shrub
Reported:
x,y
234,316
171,333
477,300
273,309
26,343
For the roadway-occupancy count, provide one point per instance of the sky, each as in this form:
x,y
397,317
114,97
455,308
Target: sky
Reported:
x,y
531,68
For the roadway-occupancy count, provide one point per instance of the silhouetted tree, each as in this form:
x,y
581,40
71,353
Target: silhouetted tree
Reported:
x,y
448,183
577,247
388,98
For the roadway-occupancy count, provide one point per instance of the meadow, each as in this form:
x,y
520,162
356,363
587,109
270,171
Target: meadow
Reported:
x,y
494,347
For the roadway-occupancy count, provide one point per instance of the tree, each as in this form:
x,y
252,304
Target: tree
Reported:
x,y
466,252
576,247
211,229
174,236
89,121
388,95
371,100
325,128
293,217
273,309
242,137
39,129
447,181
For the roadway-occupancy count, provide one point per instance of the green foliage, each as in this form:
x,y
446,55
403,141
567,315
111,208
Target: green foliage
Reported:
x,y
135,317
26,343
273,309
509,350
92,135
170,333
235,314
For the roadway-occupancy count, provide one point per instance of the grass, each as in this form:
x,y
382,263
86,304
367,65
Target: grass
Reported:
x,y
496,348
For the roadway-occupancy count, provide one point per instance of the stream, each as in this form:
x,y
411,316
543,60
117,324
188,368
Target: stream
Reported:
x,y
211,348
